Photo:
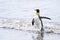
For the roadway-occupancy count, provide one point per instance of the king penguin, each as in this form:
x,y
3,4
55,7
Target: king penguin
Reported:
x,y
37,20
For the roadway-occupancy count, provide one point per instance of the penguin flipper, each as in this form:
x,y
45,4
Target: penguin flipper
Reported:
x,y
33,21
45,18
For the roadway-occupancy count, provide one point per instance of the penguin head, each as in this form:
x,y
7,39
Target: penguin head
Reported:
x,y
36,12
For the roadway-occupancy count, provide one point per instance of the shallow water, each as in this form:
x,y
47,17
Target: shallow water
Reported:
x,y
11,34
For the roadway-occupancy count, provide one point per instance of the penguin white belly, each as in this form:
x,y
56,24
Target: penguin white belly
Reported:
x,y
37,22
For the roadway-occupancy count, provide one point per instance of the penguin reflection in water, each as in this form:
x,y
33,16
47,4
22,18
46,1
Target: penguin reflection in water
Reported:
x,y
37,20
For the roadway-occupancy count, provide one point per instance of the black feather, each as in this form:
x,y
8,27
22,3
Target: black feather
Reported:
x,y
45,18
33,21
